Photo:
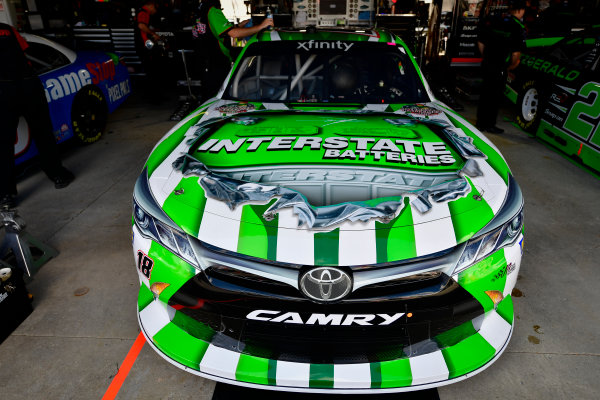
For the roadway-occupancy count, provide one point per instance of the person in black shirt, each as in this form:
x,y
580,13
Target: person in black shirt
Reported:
x,y
212,35
500,42
22,94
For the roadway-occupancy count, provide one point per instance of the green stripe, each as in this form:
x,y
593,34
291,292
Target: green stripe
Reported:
x,y
455,335
479,214
169,268
510,94
327,247
468,355
167,146
395,373
321,376
505,309
401,244
180,346
193,327
487,274
253,369
542,42
187,209
375,375
272,373
145,297
253,239
257,237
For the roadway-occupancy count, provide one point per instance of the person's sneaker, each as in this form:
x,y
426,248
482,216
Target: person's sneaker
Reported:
x,y
8,201
63,178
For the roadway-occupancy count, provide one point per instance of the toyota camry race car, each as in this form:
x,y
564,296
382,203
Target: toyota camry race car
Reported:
x,y
325,225
81,89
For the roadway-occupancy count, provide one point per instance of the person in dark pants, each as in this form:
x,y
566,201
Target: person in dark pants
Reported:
x,y
151,54
212,33
22,94
500,42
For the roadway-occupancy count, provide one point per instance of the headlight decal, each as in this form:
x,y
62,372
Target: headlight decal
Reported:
x,y
486,275
169,268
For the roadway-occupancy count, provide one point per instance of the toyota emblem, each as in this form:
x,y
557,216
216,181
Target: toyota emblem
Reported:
x,y
325,284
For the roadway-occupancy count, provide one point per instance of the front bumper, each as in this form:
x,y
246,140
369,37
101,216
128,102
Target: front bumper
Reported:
x,y
220,351
490,336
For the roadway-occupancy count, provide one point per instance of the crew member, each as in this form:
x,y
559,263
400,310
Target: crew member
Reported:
x,y
213,33
22,94
500,43
143,22
151,57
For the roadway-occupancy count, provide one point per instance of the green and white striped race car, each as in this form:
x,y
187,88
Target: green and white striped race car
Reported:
x,y
325,225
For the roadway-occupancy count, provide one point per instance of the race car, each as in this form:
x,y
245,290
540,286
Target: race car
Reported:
x,y
81,88
569,62
325,225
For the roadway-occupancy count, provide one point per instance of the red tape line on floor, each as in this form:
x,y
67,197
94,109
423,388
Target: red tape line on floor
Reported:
x,y
115,385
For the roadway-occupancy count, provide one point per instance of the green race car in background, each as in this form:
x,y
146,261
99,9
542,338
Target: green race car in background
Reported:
x,y
557,93
325,225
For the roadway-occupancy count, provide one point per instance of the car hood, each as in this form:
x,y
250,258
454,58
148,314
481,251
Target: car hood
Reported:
x,y
278,184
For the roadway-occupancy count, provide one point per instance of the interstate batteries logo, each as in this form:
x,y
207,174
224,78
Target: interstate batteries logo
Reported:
x,y
358,148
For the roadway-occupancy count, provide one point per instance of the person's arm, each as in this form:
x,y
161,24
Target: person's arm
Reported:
x,y
481,47
515,59
238,32
144,28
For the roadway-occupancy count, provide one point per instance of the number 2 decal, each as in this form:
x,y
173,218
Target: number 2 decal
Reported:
x,y
582,128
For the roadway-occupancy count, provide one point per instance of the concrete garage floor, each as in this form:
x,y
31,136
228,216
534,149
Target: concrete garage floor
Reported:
x,y
71,346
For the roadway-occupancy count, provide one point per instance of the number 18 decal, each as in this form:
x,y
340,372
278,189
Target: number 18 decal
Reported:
x,y
145,264
581,127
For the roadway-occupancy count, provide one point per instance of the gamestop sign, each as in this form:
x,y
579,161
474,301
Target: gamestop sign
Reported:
x,y
70,83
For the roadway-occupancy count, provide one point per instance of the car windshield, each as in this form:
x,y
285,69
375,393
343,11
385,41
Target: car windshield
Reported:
x,y
326,72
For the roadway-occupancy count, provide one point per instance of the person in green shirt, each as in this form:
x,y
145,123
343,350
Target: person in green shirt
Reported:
x,y
212,33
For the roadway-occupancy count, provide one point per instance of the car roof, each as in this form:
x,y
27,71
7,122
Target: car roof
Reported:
x,y
70,54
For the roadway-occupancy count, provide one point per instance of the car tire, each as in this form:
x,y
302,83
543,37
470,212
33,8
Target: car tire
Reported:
x,y
89,114
529,107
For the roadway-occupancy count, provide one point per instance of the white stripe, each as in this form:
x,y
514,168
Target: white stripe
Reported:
x,y
495,330
220,362
376,107
156,316
491,184
352,376
373,38
161,181
428,368
275,35
292,374
275,106
217,230
295,245
433,230
357,244
512,254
